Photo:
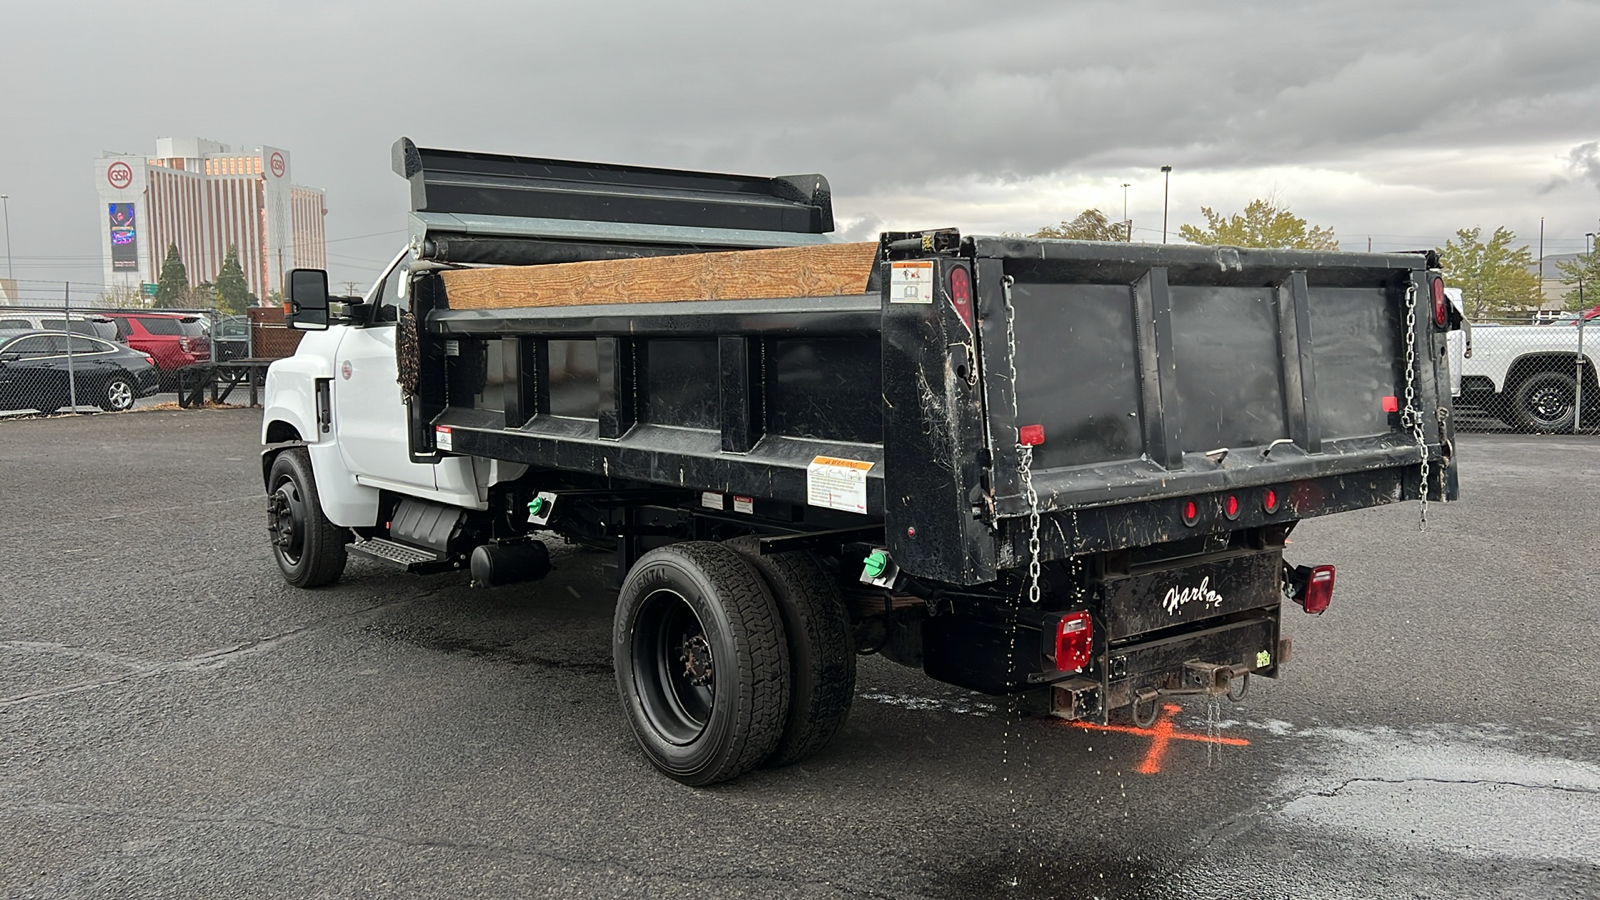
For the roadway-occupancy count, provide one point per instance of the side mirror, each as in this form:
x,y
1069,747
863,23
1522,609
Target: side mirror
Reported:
x,y
305,303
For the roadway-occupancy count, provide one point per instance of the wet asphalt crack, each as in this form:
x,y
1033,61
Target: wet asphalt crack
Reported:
x,y
494,851
1464,781
1244,822
209,660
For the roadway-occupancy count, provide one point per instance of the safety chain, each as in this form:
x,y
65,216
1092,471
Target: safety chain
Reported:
x,y
1025,466
1024,455
1412,416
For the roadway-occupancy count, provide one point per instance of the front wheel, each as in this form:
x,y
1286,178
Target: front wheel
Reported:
x,y
701,662
119,394
309,549
1545,403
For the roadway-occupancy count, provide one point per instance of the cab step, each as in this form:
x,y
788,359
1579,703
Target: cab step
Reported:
x,y
411,558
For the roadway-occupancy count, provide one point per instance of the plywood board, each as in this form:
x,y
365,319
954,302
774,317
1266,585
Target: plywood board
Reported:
x,y
825,270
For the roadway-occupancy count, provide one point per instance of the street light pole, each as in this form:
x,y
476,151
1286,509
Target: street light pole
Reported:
x,y
6,200
1127,223
1166,192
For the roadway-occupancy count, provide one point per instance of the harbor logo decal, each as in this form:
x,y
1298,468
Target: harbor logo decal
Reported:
x,y
1177,598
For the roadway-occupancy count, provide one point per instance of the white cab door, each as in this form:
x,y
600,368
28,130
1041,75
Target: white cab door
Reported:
x,y
369,413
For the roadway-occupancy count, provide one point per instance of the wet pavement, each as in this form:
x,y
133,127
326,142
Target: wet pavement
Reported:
x,y
176,722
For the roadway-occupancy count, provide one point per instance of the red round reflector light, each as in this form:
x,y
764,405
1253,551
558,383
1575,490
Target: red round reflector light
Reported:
x,y
1269,502
1441,305
1230,507
1191,513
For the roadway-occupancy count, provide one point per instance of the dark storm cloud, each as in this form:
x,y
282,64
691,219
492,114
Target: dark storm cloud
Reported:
x,y
874,95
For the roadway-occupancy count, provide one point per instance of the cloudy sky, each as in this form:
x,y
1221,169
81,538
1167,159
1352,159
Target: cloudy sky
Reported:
x,y
1396,121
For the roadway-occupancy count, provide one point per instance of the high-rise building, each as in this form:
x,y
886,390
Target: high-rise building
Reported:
x,y
202,197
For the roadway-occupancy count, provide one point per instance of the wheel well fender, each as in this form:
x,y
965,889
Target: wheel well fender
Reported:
x,y
1536,363
271,451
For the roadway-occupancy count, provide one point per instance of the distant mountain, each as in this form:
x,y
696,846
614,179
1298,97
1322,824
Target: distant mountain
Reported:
x,y
1550,260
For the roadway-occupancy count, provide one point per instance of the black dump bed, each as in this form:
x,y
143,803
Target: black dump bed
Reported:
x,y
1164,391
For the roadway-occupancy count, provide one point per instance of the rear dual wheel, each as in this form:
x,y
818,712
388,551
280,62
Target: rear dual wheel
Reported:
x,y
822,659
701,662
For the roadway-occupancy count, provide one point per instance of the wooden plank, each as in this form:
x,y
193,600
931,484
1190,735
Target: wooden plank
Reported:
x,y
825,270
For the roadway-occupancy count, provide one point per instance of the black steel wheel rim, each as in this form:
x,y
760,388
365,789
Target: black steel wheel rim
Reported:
x,y
286,519
673,667
1550,404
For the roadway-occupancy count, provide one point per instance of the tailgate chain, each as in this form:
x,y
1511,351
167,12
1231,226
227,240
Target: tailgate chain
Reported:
x,y
1024,455
1413,416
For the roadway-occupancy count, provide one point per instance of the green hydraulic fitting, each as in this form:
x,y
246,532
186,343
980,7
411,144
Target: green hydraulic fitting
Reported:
x,y
534,506
876,564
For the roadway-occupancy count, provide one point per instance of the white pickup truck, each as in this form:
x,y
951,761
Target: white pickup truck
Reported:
x,y
1528,375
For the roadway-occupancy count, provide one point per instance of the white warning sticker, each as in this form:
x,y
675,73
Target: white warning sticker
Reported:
x,y
712,500
837,483
911,281
441,437
746,505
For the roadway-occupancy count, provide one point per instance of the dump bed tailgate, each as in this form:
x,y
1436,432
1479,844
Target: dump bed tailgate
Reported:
x,y
1166,392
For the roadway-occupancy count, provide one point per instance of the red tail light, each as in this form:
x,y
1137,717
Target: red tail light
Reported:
x,y
183,344
149,359
1319,590
1269,501
1191,513
1441,305
961,293
1230,507
1074,642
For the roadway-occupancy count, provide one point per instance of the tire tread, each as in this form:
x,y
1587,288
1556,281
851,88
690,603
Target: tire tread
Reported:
x,y
822,658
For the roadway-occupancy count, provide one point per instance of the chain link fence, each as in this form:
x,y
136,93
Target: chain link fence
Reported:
x,y
1512,375
56,359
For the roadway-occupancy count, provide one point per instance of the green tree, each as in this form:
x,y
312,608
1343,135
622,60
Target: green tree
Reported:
x,y
202,295
1090,225
1495,278
1584,270
173,288
1262,224
231,290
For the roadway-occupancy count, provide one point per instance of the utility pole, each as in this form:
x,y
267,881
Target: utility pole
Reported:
x,y
1166,192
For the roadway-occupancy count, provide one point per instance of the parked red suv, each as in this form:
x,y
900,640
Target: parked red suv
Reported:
x,y
173,339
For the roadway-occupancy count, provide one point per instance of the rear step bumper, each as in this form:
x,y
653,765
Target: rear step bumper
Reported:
x,y
1210,663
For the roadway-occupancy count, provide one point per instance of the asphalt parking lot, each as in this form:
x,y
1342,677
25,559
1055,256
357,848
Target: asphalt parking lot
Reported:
x,y
177,722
